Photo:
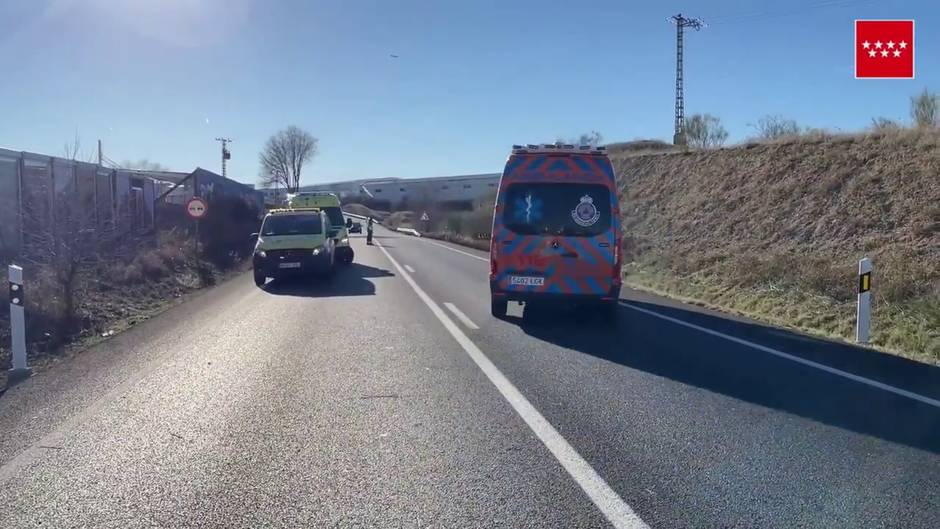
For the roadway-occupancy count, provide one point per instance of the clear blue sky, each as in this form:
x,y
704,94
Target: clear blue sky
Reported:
x,y
159,79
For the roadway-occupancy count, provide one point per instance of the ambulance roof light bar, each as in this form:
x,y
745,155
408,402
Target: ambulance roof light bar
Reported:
x,y
532,148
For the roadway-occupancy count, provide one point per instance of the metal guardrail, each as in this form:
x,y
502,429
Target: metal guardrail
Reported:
x,y
353,215
409,231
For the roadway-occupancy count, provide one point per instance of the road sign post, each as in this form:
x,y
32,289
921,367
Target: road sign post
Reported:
x,y
863,314
19,369
197,208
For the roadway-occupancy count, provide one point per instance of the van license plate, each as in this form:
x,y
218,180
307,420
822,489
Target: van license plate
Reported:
x,y
527,281
288,265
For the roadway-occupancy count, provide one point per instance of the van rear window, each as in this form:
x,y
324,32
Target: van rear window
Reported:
x,y
577,210
335,215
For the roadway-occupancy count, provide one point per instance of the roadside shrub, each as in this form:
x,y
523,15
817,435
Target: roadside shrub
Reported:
x,y
704,131
771,127
129,274
925,109
455,223
44,296
172,257
883,124
225,233
152,265
205,273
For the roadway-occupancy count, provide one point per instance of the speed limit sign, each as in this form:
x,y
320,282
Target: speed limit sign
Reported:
x,y
197,208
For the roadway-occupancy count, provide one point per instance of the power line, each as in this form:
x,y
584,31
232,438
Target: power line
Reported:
x,y
681,23
110,162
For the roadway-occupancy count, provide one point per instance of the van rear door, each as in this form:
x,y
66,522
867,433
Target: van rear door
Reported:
x,y
557,238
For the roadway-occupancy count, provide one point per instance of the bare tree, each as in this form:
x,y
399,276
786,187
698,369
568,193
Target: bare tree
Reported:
x,y
775,126
72,150
924,109
704,131
64,245
884,124
592,138
284,156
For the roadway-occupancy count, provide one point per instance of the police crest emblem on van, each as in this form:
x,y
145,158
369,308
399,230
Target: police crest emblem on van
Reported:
x,y
586,213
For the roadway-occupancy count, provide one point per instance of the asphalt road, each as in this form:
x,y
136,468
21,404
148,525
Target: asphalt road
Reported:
x,y
390,398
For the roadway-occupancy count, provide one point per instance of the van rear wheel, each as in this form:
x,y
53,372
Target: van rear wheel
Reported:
x,y
498,307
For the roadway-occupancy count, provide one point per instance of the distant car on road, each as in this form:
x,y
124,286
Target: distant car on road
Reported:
x,y
294,242
556,231
356,227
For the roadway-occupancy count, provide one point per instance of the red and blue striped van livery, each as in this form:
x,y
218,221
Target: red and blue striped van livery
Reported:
x,y
556,228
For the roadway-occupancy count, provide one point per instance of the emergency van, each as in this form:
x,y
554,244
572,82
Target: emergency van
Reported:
x,y
329,203
556,230
292,242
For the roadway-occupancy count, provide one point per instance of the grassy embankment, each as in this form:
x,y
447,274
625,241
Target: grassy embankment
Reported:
x,y
110,295
774,230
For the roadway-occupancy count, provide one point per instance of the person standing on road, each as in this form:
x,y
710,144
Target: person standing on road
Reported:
x,y
369,232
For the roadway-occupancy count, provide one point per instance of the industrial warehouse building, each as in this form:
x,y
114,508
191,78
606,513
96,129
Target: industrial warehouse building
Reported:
x,y
398,193
34,188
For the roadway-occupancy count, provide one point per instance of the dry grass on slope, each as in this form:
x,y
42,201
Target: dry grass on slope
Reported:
x,y
364,211
775,230
400,219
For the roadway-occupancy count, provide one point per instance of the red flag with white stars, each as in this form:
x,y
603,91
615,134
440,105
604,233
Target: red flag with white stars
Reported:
x,y
884,49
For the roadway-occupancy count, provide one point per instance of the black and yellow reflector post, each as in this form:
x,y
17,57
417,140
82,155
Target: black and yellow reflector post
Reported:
x,y
863,316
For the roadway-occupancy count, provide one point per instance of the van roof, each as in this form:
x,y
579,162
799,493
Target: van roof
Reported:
x,y
288,211
312,194
557,148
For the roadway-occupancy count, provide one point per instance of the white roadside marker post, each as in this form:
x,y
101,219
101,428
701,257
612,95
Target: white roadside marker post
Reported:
x,y
19,370
863,315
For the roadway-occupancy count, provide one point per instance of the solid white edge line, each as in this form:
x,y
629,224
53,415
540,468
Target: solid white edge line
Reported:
x,y
460,315
838,372
409,269
769,350
456,250
607,501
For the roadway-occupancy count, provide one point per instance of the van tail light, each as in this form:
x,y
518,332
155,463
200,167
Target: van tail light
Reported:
x,y
618,263
493,255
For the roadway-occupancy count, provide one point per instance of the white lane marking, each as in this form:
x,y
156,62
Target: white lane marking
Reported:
x,y
409,269
838,372
460,315
607,501
456,250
